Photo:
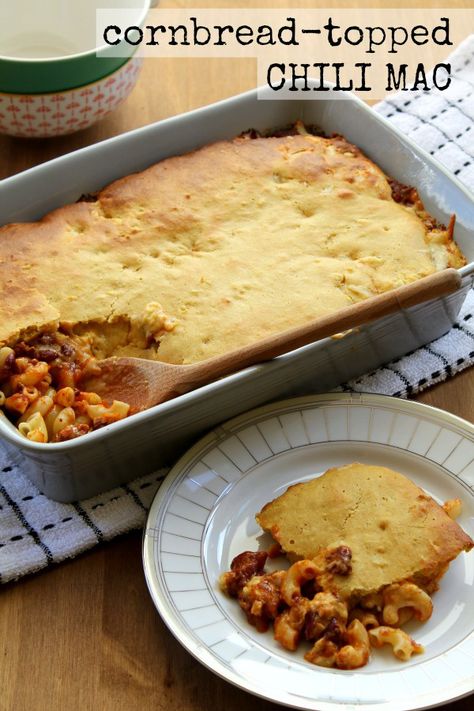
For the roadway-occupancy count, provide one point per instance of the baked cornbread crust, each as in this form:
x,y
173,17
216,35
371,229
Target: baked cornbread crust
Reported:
x,y
215,249
396,532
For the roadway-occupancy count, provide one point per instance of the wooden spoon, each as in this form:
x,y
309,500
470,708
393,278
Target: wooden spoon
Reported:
x,y
143,383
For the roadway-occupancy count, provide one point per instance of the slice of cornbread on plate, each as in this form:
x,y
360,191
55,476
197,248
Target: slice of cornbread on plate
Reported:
x,y
396,531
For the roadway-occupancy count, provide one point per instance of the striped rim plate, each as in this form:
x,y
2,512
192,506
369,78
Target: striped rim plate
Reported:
x,y
203,515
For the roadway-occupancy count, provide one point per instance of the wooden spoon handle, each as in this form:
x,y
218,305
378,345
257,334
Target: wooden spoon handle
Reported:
x,y
431,287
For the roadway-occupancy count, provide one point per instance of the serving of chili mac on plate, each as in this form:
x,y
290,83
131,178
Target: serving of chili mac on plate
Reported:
x,y
367,549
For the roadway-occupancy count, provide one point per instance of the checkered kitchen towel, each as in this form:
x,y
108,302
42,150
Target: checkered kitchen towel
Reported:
x,y
36,532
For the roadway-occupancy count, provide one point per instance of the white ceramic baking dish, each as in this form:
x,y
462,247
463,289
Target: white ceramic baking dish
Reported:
x,y
120,452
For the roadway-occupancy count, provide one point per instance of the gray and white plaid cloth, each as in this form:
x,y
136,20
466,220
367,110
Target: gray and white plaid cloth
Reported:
x,y
36,533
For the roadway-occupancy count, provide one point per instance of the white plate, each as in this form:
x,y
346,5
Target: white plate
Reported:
x,y
203,515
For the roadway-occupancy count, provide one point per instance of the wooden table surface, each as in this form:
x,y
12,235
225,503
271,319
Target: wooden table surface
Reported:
x,y
85,635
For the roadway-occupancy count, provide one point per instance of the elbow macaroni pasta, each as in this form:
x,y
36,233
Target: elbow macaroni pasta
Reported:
x,y
403,645
368,619
399,596
356,652
41,396
34,428
5,354
341,632
299,573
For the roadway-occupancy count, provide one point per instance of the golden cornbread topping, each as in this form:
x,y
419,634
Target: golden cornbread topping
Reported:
x,y
394,529
209,251
236,240
370,548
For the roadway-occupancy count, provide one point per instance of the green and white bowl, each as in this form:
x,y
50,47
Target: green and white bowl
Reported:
x,y
54,79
